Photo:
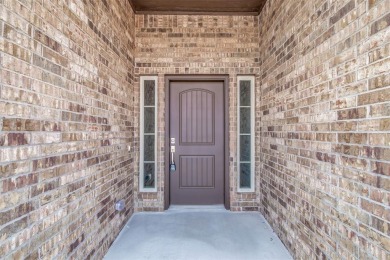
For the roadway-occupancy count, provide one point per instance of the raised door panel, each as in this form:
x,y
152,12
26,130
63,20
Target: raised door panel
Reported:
x,y
197,117
197,172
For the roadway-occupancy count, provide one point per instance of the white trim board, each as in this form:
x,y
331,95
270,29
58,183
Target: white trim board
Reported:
x,y
142,141
252,132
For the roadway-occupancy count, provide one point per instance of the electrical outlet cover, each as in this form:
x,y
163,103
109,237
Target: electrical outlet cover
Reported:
x,y
120,205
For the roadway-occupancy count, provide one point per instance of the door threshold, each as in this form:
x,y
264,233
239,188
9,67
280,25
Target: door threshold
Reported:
x,y
218,207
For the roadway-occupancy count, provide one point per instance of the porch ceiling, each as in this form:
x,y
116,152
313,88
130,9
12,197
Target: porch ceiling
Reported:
x,y
244,7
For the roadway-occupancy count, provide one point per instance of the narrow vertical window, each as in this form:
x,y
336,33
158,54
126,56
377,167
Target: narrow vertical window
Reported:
x,y
148,134
245,133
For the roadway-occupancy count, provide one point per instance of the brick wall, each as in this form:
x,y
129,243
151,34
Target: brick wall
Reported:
x,y
324,118
66,120
196,44
69,108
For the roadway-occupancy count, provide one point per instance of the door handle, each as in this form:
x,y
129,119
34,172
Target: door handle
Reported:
x,y
172,165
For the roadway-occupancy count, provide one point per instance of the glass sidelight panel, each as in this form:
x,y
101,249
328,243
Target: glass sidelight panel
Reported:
x,y
149,94
245,175
245,148
245,93
245,128
148,133
149,122
245,120
149,148
149,172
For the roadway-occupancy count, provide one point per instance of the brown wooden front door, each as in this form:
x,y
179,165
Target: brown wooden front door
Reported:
x,y
197,124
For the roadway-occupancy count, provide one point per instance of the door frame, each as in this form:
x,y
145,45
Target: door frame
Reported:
x,y
220,78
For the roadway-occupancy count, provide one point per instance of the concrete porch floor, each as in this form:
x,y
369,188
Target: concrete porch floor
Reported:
x,y
185,232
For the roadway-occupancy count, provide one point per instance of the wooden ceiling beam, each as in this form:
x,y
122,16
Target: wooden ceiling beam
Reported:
x,y
197,7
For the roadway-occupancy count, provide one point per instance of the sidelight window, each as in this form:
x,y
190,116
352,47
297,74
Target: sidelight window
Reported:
x,y
148,134
246,115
